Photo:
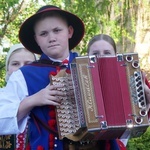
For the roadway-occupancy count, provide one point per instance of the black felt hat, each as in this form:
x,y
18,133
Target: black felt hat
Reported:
x,y
26,33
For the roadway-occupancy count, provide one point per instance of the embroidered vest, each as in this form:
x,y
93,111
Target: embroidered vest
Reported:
x,y
37,77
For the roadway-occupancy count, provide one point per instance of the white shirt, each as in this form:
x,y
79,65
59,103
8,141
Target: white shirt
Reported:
x,y
10,98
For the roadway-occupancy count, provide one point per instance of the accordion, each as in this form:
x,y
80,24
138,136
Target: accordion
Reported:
x,y
106,100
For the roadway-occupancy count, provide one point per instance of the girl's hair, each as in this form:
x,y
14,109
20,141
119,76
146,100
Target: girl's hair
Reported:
x,y
104,37
11,51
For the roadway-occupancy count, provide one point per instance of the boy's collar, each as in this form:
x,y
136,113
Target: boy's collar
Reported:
x,y
56,60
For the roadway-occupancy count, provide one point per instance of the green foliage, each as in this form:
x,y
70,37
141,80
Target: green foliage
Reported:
x,y
13,27
110,17
2,71
85,10
12,14
140,143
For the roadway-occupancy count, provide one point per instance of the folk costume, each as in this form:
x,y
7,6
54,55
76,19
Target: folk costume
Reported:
x,y
45,114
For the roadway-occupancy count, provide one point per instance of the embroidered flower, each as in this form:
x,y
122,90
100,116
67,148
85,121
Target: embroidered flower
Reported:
x,y
53,73
68,71
52,123
52,114
40,147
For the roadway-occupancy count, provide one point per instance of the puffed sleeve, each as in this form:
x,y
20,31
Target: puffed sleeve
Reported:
x,y
10,98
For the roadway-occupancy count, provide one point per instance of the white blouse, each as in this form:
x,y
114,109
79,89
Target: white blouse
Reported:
x,y
10,98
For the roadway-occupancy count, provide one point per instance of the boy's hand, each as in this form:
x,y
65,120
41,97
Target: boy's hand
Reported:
x,y
50,95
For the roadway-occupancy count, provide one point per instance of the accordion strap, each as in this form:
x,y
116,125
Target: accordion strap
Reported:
x,y
38,120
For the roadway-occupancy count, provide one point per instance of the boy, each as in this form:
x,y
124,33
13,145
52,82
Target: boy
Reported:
x,y
51,32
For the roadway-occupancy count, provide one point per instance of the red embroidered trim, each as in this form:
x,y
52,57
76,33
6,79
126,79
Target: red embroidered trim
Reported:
x,y
52,124
21,140
40,148
28,147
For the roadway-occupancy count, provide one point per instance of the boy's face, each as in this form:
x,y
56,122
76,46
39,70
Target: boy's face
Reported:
x,y
52,34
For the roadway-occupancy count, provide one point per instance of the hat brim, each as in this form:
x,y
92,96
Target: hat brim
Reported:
x,y
26,33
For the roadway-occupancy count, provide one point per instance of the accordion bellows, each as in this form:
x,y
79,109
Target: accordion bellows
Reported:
x,y
106,100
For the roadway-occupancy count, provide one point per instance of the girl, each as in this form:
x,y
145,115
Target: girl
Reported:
x,y
17,57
